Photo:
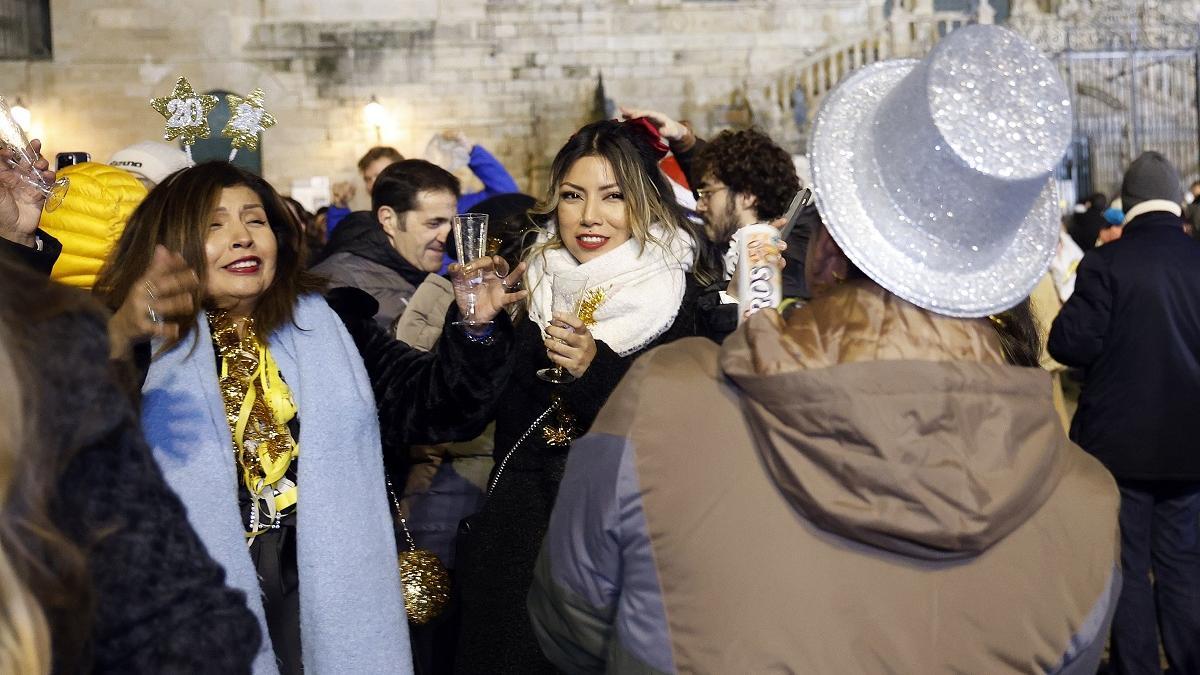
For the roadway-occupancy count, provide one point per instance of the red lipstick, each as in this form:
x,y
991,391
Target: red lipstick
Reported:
x,y
591,242
247,265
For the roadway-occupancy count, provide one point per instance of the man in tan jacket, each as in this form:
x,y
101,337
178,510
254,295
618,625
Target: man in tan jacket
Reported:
x,y
880,485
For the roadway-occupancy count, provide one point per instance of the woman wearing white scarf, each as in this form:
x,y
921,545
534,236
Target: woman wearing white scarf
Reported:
x,y
643,286
270,371
612,217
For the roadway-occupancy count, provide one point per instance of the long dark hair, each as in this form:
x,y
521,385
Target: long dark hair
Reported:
x,y
1020,334
47,563
177,215
649,197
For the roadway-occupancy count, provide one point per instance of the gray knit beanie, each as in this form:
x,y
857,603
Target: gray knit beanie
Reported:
x,y
1151,176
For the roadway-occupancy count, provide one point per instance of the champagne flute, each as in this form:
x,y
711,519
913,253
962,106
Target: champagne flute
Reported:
x,y
567,291
12,138
470,238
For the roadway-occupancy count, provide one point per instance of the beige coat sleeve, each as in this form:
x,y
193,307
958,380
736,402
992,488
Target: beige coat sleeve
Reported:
x,y
421,323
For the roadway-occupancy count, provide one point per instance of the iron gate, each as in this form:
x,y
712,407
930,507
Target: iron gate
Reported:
x,y
1127,101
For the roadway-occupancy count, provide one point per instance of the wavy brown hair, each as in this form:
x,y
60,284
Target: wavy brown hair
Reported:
x,y
649,197
24,632
44,580
177,214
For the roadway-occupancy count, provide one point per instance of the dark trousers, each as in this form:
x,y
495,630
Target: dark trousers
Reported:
x,y
1160,536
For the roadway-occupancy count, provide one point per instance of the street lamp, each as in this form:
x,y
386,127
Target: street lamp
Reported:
x,y
22,115
373,113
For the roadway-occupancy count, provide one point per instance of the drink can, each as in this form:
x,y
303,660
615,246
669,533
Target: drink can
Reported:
x,y
760,279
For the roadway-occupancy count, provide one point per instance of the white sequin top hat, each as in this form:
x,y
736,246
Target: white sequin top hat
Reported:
x,y
935,176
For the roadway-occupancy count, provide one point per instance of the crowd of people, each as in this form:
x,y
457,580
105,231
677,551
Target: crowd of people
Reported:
x,y
267,441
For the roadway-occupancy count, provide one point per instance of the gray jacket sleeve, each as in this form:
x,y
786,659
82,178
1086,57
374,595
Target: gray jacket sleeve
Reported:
x,y
573,600
1087,645
596,602
388,288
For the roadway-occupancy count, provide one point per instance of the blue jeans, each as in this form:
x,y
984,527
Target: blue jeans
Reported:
x,y
1160,534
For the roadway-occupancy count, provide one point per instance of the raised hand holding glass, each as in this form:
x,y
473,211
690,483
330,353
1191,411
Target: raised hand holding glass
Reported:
x,y
23,159
567,291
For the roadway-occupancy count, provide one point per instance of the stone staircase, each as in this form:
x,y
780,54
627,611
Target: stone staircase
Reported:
x,y
792,96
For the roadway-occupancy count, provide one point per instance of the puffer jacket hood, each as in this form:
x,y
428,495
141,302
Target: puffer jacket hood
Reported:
x,y
90,220
896,427
361,234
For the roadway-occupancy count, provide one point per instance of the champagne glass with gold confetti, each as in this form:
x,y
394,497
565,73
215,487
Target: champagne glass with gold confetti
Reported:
x,y
567,291
13,139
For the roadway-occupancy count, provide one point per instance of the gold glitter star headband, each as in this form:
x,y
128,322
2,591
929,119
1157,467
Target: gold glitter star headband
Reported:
x,y
186,113
249,117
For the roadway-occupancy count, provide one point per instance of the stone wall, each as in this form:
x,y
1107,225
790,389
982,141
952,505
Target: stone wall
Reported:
x,y
517,76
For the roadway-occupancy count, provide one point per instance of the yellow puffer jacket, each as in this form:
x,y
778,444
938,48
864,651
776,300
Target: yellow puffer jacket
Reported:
x,y
91,219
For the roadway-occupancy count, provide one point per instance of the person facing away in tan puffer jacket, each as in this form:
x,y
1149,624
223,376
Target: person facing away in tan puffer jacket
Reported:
x,y
881,484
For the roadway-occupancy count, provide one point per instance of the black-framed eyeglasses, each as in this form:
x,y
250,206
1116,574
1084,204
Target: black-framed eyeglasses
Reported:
x,y
704,193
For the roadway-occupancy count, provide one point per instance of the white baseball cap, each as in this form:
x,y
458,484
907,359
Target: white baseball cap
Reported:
x,y
151,160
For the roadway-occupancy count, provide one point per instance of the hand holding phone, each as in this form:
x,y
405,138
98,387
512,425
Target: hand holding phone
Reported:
x,y
803,196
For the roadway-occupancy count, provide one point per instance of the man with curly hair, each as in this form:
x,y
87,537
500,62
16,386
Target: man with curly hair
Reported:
x,y
745,178
740,178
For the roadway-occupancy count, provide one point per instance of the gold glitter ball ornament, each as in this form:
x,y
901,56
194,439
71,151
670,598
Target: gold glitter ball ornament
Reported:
x,y
186,112
249,117
426,585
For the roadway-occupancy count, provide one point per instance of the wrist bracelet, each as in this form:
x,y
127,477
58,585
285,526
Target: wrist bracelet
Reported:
x,y
483,337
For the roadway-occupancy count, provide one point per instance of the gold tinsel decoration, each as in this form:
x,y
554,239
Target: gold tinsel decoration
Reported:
x,y
263,435
426,585
588,305
564,433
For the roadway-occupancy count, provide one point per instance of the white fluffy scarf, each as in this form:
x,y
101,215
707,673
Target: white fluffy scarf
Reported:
x,y
643,286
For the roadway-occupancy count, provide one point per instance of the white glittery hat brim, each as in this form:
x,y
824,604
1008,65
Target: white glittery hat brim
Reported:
x,y
853,205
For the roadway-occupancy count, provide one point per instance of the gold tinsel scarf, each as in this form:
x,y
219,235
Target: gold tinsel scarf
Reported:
x,y
258,406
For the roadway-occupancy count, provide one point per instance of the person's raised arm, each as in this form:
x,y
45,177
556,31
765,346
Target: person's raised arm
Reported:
x,y
21,212
449,393
679,137
495,178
